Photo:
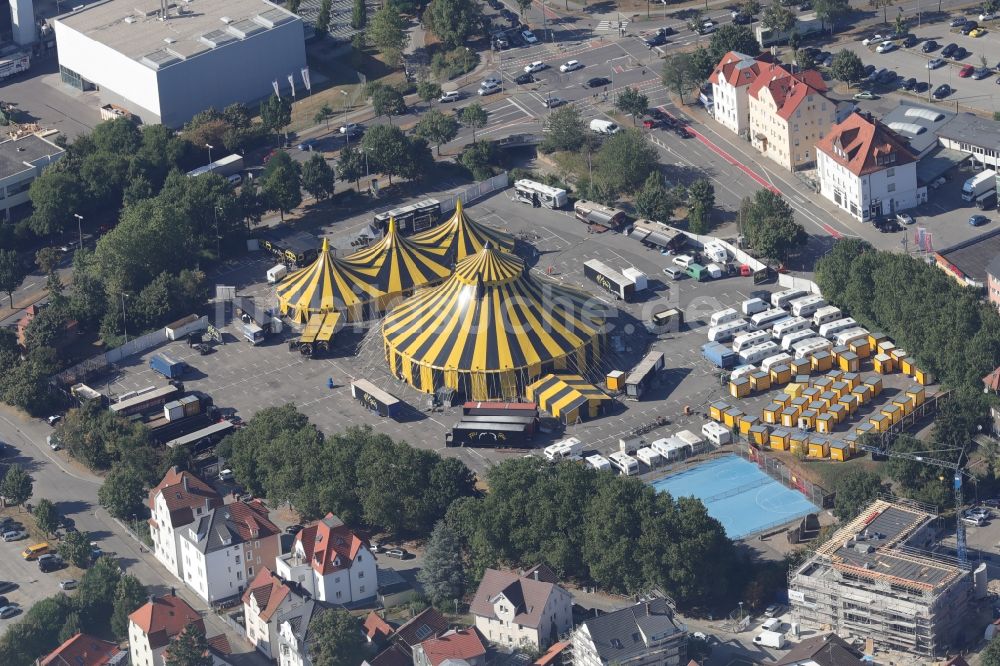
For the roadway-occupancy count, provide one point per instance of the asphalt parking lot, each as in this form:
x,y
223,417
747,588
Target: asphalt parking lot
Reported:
x,y
31,585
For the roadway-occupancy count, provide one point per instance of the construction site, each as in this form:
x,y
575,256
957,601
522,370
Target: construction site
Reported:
x,y
878,582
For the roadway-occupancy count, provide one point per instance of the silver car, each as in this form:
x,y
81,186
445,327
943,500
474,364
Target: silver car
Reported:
x,y
935,63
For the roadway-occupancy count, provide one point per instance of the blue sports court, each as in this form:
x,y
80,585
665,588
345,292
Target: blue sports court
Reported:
x,y
738,494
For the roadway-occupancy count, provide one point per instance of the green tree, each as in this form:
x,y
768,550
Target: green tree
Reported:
x,y
624,161
129,596
96,595
565,130
677,73
359,14
778,18
98,438
478,158
769,225
325,112
47,259
190,648
437,127
16,486
442,575
75,548
350,165
702,64
335,639
46,329
805,59
854,491
453,21
847,67
830,12
11,273
884,6
55,196
276,114
990,656
732,37
46,516
632,102
751,8
317,177
654,201
123,493
281,183
26,385
385,100
71,627
474,116
428,91
899,25
387,149
323,18
387,33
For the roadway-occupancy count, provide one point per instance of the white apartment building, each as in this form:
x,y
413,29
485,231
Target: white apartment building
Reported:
x,y
178,500
788,114
867,169
646,634
331,562
293,635
516,610
266,600
223,549
21,161
731,81
155,624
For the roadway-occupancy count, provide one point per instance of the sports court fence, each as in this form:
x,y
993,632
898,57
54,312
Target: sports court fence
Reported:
x,y
788,477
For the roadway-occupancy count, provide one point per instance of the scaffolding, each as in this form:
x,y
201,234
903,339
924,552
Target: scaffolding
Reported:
x,y
901,597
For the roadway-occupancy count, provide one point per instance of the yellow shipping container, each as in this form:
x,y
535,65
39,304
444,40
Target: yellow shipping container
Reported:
x,y
807,420
864,428
746,422
760,381
852,379
616,380
880,421
835,375
850,403
772,413
897,354
849,361
894,412
851,439
906,404
800,403
822,383
840,388
783,398
875,384
739,388
840,451
811,393
717,409
886,347
819,449
798,440
839,411
906,365
863,393
917,394
731,417
822,362
780,374
794,390
861,348
828,398
817,406
825,423
759,435
883,364
923,377
789,417
801,366
875,338
778,439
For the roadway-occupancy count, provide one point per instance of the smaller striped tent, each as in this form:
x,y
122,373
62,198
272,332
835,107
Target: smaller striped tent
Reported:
x,y
328,285
569,398
460,237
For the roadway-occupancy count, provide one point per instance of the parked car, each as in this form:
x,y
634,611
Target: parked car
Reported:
x,y
966,71
921,87
877,37
69,584
968,27
974,521
958,22
887,226
935,63
48,563
398,553
742,19
865,95
949,49
54,419
7,586
488,88
14,535
987,16
529,37
929,46
350,128
870,69
978,220
904,218
533,67
305,146
774,610
553,101
910,83
9,611
981,73
597,82
885,47
450,96
909,41
977,32
570,66
942,91
524,79
886,76
959,53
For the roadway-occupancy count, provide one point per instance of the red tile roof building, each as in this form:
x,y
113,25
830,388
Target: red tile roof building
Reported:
x,y
176,502
377,630
867,169
83,650
265,601
789,113
154,624
462,646
331,562
731,81
515,610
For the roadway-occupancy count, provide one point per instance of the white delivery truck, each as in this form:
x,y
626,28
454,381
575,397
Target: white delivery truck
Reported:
x,y
980,184
604,126
275,273
752,306
771,639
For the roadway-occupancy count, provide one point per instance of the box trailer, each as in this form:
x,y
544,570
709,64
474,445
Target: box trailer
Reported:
x,y
500,409
14,64
190,324
167,366
643,374
978,185
609,279
85,395
275,273
567,448
590,212
719,354
499,435
258,323
666,320
375,399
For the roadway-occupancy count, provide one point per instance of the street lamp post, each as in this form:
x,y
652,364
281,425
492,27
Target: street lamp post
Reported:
x,y
209,146
79,227
124,324
218,236
344,122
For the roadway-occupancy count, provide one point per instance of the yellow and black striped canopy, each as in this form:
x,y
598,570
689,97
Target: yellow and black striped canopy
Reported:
x,y
491,316
460,237
328,285
395,265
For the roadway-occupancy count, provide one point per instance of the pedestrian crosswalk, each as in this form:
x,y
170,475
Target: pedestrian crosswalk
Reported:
x,y
612,25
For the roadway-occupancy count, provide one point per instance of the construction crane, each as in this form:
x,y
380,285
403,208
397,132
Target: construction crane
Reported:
x,y
957,474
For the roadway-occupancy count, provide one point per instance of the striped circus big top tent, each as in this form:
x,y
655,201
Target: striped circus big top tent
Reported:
x,y
459,237
491,329
363,284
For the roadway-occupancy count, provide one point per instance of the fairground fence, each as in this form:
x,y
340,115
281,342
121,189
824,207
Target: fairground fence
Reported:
x,y
788,477
84,370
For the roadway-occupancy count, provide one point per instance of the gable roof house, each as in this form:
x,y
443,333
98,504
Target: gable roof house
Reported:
x,y
331,563
517,610
458,647
428,623
175,503
646,633
825,650
265,602
293,634
867,169
85,650
155,624
731,81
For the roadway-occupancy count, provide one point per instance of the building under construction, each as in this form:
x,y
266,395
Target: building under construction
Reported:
x,y
876,579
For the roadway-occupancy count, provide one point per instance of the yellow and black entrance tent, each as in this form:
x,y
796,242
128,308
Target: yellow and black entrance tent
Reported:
x,y
490,330
569,398
328,285
460,237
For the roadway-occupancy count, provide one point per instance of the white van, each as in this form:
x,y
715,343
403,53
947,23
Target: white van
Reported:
x,y
683,260
722,316
604,126
673,272
773,624
714,271
226,475
753,306
275,273
826,314
746,340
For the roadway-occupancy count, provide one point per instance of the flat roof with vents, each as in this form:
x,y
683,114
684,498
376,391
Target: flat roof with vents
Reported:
x,y
134,28
919,125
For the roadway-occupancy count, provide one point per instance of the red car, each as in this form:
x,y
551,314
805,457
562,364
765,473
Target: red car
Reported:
x,y
966,71
649,123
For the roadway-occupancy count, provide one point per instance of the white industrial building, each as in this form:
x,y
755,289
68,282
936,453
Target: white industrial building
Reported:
x,y
867,169
165,62
21,161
